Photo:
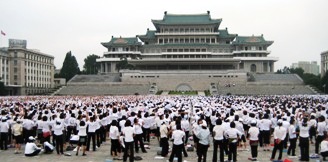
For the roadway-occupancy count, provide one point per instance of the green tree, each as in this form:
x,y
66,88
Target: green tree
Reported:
x,y
123,64
90,64
70,67
299,71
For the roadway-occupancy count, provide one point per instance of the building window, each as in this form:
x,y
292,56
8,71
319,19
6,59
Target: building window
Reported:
x,y
15,77
15,62
15,54
15,70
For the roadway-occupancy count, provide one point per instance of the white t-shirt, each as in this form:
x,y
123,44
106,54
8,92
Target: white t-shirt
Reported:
x,y
30,147
324,146
254,133
128,134
219,132
177,137
266,124
113,132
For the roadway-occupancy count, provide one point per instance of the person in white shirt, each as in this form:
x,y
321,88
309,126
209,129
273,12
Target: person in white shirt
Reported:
x,y
4,129
177,136
114,135
58,135
48,148
128,133
164,139
138,136
92,126
253,136
82,128
232,134
45,126
279,135
266,125
313,128
185,125
204,142
146,127
17,132
320,129
30,148
292,137
324,148
304,140
218,138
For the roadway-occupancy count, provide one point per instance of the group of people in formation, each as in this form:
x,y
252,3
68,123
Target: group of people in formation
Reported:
x,y
227,123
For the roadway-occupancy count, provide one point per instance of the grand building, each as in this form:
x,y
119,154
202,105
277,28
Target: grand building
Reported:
x,y
26,71
182,48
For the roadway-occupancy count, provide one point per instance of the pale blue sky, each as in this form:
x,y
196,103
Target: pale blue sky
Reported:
x,y
299,28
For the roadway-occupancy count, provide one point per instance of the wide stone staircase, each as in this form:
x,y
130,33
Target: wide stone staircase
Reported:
x,y
269,84
101,85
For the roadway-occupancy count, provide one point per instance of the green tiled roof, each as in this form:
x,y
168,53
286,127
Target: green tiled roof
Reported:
x,y
251,40
172,19
149,35
225,34
122,41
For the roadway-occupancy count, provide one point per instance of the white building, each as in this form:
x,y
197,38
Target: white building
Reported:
x,y
26,71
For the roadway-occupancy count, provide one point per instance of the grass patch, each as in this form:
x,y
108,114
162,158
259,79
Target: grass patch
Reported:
x,y
159,92
207,93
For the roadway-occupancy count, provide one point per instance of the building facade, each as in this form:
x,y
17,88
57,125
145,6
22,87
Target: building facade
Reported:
x,y
308,67
324,63
26,71
187,45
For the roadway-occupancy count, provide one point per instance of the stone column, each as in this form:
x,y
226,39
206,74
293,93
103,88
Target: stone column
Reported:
x,y
106,67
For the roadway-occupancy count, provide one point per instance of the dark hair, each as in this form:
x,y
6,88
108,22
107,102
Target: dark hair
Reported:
x,y
218,121
44,118
82,123
178,126
232,125
127,123
114,123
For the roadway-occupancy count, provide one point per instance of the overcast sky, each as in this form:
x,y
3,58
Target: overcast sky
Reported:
x,y
299,28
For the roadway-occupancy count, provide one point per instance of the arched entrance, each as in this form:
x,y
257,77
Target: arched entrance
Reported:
x,y
183,87
253,68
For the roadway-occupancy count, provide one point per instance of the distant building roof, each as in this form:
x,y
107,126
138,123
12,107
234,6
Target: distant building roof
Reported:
x,y
126,41
225,34
182,19
149,35
251,40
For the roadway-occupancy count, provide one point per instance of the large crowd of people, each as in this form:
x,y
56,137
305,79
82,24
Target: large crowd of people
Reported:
x,y
227,123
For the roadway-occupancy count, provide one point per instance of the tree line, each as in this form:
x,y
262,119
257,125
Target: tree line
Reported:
x,y
316,81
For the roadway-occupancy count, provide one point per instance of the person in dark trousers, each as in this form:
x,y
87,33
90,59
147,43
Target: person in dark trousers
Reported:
x,y
304,140
92,126
204,142
320,130
58,135
4,129
30,148
232,134
164,139
138,136
177,136
253,136
128,133
218,137
292,137
279,136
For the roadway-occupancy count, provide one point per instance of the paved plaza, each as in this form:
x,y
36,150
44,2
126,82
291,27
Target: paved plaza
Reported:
x,y
103,153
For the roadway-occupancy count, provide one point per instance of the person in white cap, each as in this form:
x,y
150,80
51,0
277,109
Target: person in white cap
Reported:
x,y
253,136
31,149
279,135
17,132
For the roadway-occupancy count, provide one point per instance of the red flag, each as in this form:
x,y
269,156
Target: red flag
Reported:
x,y
3,33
